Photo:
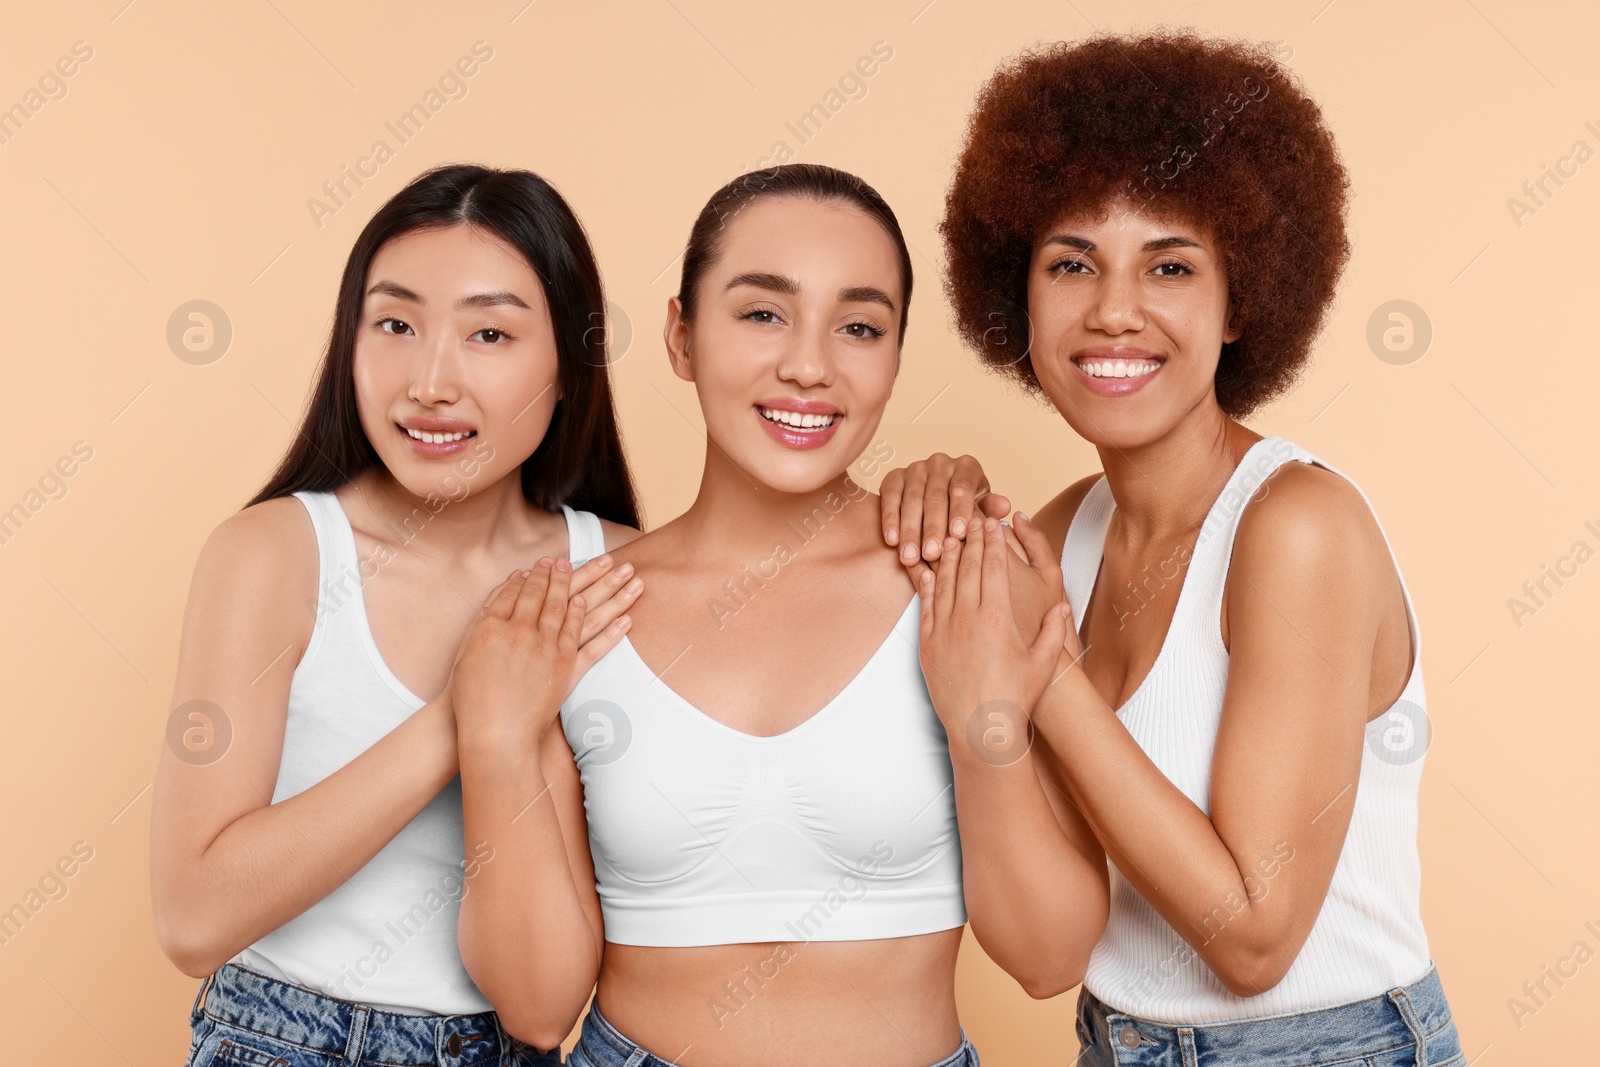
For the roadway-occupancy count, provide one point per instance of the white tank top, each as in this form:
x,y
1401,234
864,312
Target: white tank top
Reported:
x,y
840,829
1368,937
386,937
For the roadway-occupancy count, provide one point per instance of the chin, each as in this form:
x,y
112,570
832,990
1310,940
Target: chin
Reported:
x,y
796,472
1121,424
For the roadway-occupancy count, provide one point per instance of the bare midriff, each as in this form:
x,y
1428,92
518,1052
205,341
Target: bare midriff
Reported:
x,y
888,1002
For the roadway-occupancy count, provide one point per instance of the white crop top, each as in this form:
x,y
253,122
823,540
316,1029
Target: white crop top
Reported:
x,y
840,829
387,936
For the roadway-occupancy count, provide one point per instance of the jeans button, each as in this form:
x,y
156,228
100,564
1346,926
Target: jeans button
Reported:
x,y
1129,1037
453,1046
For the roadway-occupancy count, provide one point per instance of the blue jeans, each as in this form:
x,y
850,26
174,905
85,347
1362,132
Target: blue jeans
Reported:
x,y
1405,1027
241,1017
602,1045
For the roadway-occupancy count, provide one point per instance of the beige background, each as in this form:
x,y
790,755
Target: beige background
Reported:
x,y
178,165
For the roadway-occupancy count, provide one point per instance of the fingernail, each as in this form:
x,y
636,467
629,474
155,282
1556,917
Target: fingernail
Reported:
x,y
634,586
623,623
1023,516
891,535
931,546
563,564
625,570
527,574
909,553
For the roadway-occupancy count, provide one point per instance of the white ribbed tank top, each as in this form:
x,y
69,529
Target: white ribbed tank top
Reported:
x,y
387,937
1368,938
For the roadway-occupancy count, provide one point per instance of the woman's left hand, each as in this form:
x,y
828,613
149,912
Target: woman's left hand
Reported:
x,y
984,676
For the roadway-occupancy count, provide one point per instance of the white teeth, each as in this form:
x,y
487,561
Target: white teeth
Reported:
x,y
1119,368
796,419
435,438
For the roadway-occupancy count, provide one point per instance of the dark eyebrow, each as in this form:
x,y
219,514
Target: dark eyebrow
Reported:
x,y
1083,243
1174,241
782,283
865,294
396,290
778,283
484,300
476,300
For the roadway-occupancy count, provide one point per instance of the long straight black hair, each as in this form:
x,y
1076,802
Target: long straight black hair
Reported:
x,y
580,462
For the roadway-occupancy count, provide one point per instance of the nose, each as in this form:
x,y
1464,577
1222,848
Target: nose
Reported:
x,y
1116,307
435,375
807,360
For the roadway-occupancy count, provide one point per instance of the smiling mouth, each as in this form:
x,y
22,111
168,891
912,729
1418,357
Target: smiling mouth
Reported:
x,y
797,421
437,438
1118,368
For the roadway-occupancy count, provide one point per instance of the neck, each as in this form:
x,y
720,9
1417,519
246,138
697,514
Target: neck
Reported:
x,y
1164,488
734,513
448,526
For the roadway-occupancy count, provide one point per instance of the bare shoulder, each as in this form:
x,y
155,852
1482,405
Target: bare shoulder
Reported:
x,y
1308,520
1055,518
264,559
617,535
273,539
654,549
254,591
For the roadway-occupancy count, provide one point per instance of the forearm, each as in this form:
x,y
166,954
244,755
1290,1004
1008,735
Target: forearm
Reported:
x,y
273,863
1162,842
524,934
1036,902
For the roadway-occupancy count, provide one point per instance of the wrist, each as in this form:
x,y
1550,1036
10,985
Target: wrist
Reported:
x,y
511,752
1069,694
996,734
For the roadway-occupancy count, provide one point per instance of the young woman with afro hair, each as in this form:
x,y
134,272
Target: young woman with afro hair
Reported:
x,y
1148,231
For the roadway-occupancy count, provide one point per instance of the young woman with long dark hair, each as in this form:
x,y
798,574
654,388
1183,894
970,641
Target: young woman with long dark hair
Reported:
x,y
752,790
307,848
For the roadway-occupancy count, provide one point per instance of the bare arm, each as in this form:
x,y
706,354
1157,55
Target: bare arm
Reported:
x,y
228,866
1244,886
530,931
1034,878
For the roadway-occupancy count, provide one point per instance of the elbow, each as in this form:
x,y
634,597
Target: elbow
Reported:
x,y
189,954
1041,974
1253,971
530,1010
185,942
1043,986
542,1030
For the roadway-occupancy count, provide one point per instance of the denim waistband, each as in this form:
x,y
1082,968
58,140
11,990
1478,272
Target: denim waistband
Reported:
x,y
237,996
604,1044
1403,1017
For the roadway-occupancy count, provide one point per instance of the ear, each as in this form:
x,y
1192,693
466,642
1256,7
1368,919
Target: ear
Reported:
x,y
1235,327
676,336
